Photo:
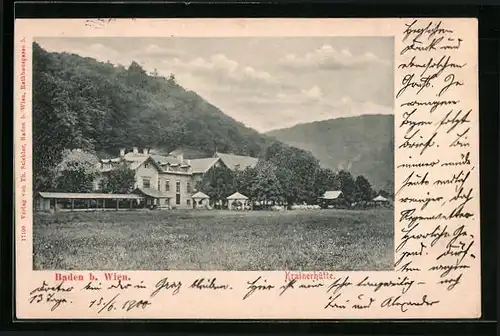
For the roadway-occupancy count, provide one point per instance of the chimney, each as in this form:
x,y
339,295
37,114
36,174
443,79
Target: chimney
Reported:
x,y
189,162
145,151
180,157
135,150
122,152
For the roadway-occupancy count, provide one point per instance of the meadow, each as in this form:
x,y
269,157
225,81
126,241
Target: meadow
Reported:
x,y
301,240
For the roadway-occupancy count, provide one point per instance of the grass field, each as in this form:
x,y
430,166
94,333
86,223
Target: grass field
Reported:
x,y
215,240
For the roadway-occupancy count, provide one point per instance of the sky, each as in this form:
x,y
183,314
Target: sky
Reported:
x,y
264,82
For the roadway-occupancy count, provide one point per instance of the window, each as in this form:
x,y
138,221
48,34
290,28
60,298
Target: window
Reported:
x,y
167,185
146,182
178,199
178,187
100,184
146,165
188,202
188,187
159,185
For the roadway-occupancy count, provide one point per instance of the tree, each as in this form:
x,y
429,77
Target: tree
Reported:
x,y
289,189
266,186
364,189
119,181
244,181
218,183
296,170
136,77
274,152
326,180
53,121
171,80
77,171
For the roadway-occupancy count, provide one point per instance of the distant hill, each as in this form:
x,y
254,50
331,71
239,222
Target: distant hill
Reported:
x,y
362,145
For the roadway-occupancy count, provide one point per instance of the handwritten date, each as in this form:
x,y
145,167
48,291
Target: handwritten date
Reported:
x,y
109,305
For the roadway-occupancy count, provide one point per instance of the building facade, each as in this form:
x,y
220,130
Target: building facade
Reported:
x,y
169,181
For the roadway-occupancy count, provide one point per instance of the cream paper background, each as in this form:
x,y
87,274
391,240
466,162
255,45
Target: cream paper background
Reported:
x,y
461,302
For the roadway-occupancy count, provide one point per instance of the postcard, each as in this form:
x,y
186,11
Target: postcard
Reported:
x,y
246,169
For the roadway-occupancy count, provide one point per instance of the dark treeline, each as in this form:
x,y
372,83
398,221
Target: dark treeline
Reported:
x,y
286,175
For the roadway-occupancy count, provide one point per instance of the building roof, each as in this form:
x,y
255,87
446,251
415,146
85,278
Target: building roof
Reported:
x,y
237,196
202,165
332,194
199,194
151,192
380,198
61,195
111,160
137,159
131,156
237,161
136,164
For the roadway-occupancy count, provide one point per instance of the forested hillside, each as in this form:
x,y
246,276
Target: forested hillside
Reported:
x,y
361,145
82,103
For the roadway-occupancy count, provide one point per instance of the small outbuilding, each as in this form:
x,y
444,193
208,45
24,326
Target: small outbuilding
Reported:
x,y
58,201
153,198
332,195
238,201
200,200
380,198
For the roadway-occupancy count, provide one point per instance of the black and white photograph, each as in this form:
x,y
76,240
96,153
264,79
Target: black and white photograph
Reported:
x,y
213,153
255,163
